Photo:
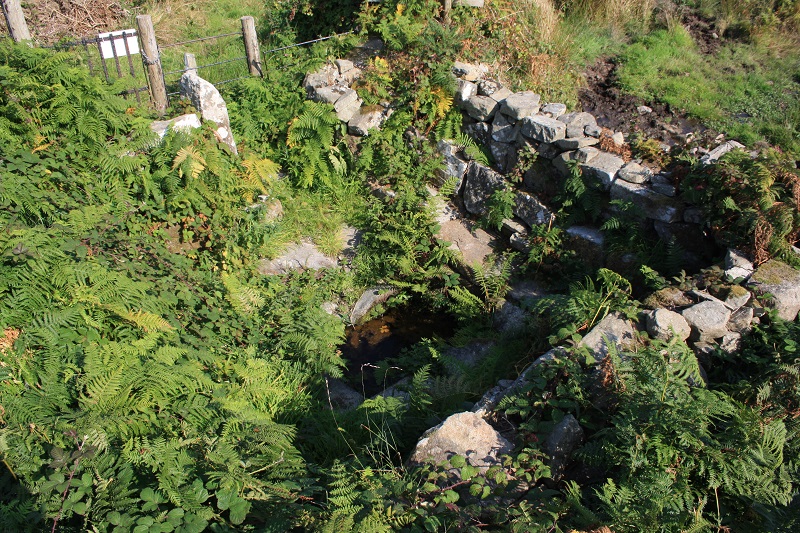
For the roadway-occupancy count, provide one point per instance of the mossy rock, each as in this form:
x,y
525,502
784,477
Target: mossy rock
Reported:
x,y
774,272
668,297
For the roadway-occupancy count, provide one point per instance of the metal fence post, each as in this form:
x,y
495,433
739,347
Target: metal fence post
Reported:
x,y
152,62
251,46
15,20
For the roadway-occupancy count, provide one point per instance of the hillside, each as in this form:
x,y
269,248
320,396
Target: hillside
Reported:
x,y
529,266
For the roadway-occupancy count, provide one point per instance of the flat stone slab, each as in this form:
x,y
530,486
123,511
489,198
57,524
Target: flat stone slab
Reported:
x,y
543,129
474,245
302,256
183,124
635,173
574,143
714,155
708,320
468,71
554,110
369,299
363,121
603,167
520,105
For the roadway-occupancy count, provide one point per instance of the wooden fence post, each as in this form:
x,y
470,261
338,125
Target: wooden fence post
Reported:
x,y
189,63
15,20
448,6
152,61
251,46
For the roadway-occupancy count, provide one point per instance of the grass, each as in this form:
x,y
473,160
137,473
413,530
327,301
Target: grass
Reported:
x,y
744,90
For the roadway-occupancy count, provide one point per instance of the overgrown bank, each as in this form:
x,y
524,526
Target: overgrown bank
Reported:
x,y
152,381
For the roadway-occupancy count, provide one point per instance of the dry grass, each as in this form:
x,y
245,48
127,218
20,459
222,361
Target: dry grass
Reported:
x,y
50,21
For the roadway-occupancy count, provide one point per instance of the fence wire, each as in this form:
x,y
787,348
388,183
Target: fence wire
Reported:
x,y
172,45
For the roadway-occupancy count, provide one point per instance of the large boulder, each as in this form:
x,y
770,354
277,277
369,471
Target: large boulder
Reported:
x,y
207,100
465,434
782,282
560,444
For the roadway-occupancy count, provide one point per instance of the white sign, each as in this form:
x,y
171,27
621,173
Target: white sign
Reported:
x,y
115,37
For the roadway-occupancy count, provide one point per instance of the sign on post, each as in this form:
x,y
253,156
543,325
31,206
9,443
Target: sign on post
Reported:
x,y
112,44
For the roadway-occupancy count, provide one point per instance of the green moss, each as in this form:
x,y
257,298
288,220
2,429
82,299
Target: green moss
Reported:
x,y
774,272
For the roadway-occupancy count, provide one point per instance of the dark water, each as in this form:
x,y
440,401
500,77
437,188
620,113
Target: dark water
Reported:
x,y
386,336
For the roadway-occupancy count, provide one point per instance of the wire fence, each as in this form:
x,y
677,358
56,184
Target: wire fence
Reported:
x,y
112,56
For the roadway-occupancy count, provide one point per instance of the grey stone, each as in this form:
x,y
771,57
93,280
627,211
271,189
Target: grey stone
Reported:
x,y
396,390
586,154
554,110
520,105
326,75
655,206
300,256
576,123
592,130
663,185
731,342
737,265
501,94
464,91
588,243
548,151
543,129
741,320
480,131
454,166
480,108
489,87
480,182
504,155
560,162
663,324
503,130
363,121
509,318
347,106
708,320
528,208
614,329
465,434
369,299
344,65
635,173
618,138
575,143
560,444
524,291
512,226
342,395
468,3
603,167
782,282
737,297
714,155
351,237
467,71
182,124
329,307
207,100
644,110
329,94
519,242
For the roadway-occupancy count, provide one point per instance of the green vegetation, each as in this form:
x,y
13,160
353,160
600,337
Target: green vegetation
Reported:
x,y
152,380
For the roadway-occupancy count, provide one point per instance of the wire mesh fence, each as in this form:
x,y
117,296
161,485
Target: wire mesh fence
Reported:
x,y
115,57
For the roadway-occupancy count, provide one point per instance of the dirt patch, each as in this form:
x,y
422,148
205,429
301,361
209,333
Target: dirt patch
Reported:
x,y
51,21
623,112
702,31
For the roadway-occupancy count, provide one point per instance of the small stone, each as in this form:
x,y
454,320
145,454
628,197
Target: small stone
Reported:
x,y
663,324
362,122
464,91
577,122
719,151
731,343
782,282
369,299
347,105
593,130
737,297
554,110
521,105
543,129
467,71
586,154
603,167
480,108
644,110
708,320
635,173
655,206
737,265
344,65
503,130
562,441
575,142
618,138
741,320
663,185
